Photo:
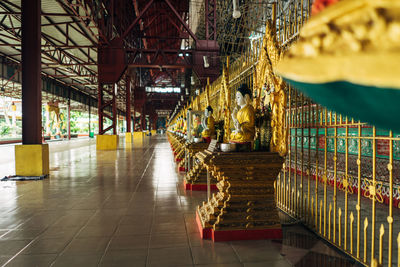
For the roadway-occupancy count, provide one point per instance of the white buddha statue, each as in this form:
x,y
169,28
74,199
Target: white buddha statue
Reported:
x,y
208,123
244,119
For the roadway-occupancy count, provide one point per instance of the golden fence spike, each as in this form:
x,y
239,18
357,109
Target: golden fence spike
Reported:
x,y
365,238
320,216
390,217
381,233
312,209
340,227
374,263
297,203
329,221
398,250
351,232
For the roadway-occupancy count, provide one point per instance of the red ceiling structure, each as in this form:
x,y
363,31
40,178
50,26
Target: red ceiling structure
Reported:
x,y
157,39
104,47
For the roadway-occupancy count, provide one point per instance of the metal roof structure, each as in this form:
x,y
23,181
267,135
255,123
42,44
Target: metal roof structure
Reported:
x,y
162,42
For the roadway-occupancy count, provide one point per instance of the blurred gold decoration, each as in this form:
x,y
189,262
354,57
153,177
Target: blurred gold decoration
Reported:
x,y
336,42
207,91
226,94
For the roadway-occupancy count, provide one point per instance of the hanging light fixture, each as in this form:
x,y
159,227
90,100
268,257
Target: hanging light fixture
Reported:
x,y
206,64
236,12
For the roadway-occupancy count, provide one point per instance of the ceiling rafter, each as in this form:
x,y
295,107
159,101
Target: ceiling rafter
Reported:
x,y
57,55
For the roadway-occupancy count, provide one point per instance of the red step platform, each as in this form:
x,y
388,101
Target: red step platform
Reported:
x,y
204,233
203,187
186,186
181,169
198,187
232,235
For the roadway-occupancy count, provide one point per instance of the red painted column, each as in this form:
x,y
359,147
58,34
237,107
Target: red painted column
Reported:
x,y
114,109
69,119
134,119
155,122
89,117
99,107
143,118
128,104
31,72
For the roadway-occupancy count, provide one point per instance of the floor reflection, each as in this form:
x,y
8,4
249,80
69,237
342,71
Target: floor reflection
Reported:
x,y
302,248
129,208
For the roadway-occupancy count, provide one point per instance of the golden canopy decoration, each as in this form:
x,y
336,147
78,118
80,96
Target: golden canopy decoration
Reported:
x,y
264,74
225,96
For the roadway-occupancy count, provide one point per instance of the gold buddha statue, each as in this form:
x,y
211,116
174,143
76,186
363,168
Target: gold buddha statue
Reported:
x,y
208,123
197,127
184,126
180,125
244,119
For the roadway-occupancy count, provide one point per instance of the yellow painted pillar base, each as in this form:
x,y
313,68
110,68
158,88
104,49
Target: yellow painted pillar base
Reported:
x,y
138,136
107,142
32,160
128,137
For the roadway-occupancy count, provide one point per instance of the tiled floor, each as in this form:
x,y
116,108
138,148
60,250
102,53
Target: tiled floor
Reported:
x,y
126,208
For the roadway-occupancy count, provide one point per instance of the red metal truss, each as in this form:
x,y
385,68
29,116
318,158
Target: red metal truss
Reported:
x,y
210,19
77,7
160,58
161,25
58,59
208,48
95,41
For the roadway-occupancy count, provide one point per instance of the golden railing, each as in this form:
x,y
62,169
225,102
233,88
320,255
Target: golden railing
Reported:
x,y
337,175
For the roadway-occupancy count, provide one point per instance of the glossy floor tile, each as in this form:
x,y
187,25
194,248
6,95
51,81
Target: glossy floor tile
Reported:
x,y
127,208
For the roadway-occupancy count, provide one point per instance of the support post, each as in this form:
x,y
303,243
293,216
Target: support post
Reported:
x,y
107,142
134,120
114,109
128,104
143,118
31,73
89,118
32,157
128,134
69,119
100,108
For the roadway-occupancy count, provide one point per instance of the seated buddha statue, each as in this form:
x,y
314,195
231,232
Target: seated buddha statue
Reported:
x,y
180,125
197,127
184,126
244,119
208,123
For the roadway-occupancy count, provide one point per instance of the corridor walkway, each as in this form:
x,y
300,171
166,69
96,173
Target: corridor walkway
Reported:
x,y
126,208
